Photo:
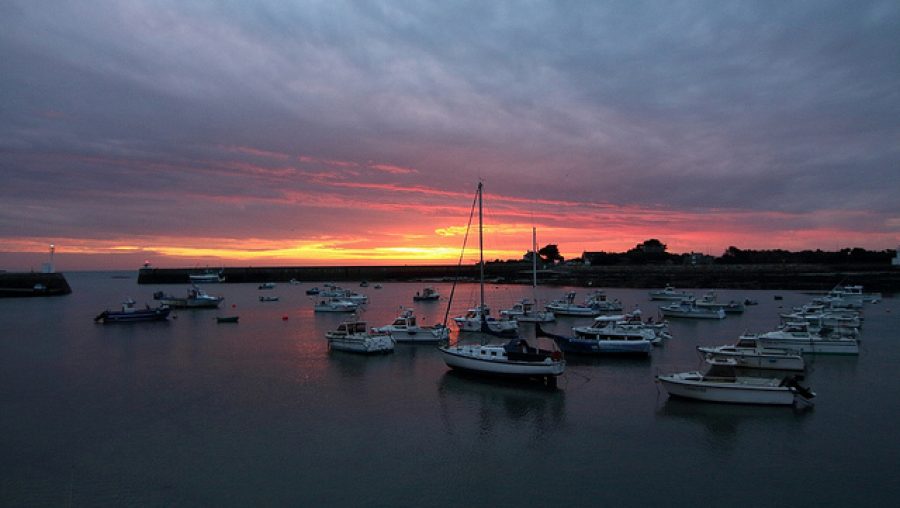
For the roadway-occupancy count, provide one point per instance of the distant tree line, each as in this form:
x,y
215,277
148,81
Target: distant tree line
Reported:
x,y
653,252
855,255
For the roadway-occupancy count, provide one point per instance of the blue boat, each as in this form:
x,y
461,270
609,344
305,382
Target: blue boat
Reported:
x,y
130,314
605,340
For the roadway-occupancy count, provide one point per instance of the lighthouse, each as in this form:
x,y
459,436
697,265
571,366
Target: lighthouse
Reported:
x,y
48,266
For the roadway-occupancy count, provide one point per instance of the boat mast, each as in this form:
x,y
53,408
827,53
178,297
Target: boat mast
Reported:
x,y
481,253
533,258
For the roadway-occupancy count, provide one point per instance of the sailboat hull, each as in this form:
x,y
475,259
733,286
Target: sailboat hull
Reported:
x,y
479,359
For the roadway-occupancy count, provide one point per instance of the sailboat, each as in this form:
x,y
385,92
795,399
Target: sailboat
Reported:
x,y
519,357
524,310
479,319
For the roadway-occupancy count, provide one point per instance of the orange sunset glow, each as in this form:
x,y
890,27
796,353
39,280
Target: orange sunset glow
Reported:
x,y
231,145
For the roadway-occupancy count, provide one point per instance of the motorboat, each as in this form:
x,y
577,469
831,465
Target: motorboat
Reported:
x,y
668,293
687,308
710,300
335,305
313,290
428,294
267,285
823,318
524,311
478,319
129,313
748,354
196,299
798,336
722,385
659,330
854,294
519,357
566,306
345,294
406,329
206,277
355,337
227,319
268,298
598,300
609,339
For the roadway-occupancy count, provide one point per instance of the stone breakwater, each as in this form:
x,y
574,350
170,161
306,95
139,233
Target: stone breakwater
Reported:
x,y
795,277
19,284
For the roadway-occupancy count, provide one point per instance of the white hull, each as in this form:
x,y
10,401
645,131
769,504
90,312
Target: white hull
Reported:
x,y
367,345
420,336
474,325
480,359
186,303
753,358
572,310
336,306
696,313
536,317
740,390
813,345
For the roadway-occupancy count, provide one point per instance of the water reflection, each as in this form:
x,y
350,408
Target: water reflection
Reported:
x,y
485,406
722,424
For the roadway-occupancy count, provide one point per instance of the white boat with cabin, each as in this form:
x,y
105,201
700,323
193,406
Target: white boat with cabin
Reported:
x,y
355,337
566,306
669,293
723,385
797,336
477,319
524,310
207,277
427,294
710,300
196,299
406,329
687,308
335,305
746,353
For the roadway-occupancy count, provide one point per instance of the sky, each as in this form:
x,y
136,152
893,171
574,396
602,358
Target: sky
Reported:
x,y
269,133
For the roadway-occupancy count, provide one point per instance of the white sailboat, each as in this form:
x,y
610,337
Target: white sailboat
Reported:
x,y
519,357
525,310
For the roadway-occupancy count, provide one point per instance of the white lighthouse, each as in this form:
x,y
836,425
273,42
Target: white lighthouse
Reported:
x,y
48,266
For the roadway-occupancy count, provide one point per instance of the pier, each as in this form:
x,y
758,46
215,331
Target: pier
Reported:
x,y
21,284
781,276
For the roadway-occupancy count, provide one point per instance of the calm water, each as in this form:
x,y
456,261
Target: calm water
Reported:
x,y
191,412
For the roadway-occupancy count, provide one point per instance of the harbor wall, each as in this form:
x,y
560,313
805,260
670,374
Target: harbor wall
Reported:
x,y
782,276
22,284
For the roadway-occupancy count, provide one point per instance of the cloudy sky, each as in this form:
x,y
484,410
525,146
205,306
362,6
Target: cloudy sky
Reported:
x,y
258,133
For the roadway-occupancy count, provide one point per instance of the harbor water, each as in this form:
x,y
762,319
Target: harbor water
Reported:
x,y
191,412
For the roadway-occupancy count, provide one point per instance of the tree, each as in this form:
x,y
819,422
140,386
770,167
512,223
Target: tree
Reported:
x,y
550,254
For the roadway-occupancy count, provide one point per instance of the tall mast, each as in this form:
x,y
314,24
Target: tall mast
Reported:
x,y
533,257
481,251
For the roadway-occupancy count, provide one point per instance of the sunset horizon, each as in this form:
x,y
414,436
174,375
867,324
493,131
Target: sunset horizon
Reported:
x,y
279,134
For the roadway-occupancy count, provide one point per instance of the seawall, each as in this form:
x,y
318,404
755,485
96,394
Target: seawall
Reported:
x,y
797,277
19,284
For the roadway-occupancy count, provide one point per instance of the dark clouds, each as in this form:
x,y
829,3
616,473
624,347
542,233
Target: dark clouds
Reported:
x,y
698,106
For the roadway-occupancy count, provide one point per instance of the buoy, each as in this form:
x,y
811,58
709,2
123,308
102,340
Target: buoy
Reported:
x,y
233,305
284,318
